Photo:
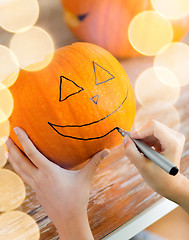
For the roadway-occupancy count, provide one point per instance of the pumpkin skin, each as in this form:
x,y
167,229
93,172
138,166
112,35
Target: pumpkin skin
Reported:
x,y
71,108
106,23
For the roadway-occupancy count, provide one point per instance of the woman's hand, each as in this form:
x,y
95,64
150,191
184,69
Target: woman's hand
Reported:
x,y
168,143
63,194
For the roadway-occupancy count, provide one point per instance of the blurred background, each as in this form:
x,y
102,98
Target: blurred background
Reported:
x,y
149,38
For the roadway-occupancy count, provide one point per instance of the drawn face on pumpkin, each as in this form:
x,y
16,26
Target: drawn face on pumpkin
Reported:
x,y
74,20
76,89
76,11
73,106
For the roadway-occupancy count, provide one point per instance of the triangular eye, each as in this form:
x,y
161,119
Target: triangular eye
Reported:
x,y
95,99
101,73
71,87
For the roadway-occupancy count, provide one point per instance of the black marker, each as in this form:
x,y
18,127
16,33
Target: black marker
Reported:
x,y
151,154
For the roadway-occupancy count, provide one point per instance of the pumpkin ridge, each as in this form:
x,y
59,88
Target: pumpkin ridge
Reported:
x,y
106,59
117,39
104,37
99,54
76,73
73,51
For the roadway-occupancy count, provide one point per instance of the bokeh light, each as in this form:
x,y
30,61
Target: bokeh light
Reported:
x,y
4,128
6,103
18,15
12,190
172,9
16,225
163,112
150,88
34,49
175,58
9,69
3,154
149,32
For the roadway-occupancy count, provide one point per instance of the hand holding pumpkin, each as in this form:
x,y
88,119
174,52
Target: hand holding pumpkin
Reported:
x,y
63,194
170,144
68,110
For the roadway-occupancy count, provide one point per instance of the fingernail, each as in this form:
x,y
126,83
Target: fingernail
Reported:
x,y
16,130
105,153
125,140
6,155
4,138
134,134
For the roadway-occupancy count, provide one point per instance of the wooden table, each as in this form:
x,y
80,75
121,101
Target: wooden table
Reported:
x,y
119,196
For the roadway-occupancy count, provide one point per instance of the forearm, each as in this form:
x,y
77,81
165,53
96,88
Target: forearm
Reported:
x,y
180,192
75,228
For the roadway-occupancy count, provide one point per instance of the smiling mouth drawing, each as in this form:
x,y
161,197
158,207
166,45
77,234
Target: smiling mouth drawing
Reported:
x,y
60,128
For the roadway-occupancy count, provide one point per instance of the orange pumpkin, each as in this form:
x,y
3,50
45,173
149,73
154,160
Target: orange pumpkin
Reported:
x,y
106,22
71,108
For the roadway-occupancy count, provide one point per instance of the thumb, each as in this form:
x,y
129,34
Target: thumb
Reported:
x,y
91,167
132,153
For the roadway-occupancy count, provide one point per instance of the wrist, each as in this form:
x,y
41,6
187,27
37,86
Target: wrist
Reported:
x,y
74,227
182,190
179,190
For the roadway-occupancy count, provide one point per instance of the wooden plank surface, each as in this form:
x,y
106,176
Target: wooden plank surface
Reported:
x,y
118,192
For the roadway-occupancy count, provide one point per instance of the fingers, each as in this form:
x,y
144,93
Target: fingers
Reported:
x,y
21,164
33,154
19,159
152,128
167,137
133,154
25,177
91,167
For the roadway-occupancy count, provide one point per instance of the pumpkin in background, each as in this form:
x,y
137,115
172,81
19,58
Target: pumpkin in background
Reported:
x,y
71,108
106,22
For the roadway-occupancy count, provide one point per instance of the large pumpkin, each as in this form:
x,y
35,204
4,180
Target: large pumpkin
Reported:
x,y
105,22
71,108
